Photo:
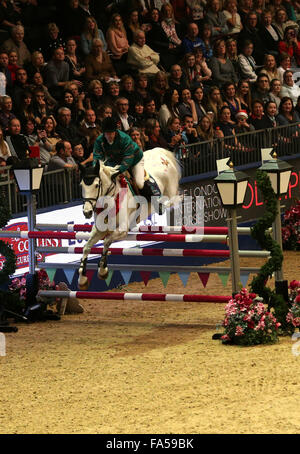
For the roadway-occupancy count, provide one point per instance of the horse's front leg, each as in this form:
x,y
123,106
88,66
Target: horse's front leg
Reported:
x,y
83,282
111,238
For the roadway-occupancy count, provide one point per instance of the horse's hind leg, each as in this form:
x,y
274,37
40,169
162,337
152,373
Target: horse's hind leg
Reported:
x,y
83,282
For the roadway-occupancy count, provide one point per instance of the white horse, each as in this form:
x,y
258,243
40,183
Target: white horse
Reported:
x,y
114,223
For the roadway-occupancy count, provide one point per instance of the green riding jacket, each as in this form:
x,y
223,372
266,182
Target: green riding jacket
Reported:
x,y
123,152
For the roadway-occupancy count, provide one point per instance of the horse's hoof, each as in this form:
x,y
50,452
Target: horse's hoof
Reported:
x,y
84,286
102,274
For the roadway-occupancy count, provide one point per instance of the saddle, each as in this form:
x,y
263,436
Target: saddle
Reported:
x,y
150,188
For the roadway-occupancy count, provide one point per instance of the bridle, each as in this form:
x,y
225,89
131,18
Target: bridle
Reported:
x,y
93,200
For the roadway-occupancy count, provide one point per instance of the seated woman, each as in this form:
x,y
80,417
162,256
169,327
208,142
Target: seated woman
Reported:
x,y
69,101
25,110
127,90
198,98
287,113
232,54
169,24
225,123
246,62
216,18
117,44
243,95
187,106
94,97
98,63
214,102
268,33
206,130
291,46
173,134
154,136
221,67
206,37
233,18
133,25
169,108
37,64
47,139
284,65
137,136
76,66
257,117
270,67
196,74
91,32
230,99
275,89
159,87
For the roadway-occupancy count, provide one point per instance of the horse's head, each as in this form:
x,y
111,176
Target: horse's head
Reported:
x,y
90,186
96,181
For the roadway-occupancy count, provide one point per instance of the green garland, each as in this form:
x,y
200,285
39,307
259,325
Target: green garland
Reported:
x,y
264,239
9,266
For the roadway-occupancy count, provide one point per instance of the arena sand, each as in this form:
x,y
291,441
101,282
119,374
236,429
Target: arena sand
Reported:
x,y
143,367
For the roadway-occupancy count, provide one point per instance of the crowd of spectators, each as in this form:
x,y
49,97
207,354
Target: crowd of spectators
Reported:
x,y
171,73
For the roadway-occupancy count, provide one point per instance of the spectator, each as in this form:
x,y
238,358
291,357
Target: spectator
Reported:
x,y
104,111
214,102
63,158
198,98
261,90
195,73
216,18
16,44
117,43
159,87
232,54
142,86
138,114
177,79
127,90
187,106
169,107
270,67
9,15
4,148
289,88
66,129
94,97
247,64
76,66
225,123
133,25
192,40
275,89
137,136
206,131
91,32
21,84
98,63
16,141
68,100
242,125
281,22
291,46
4,68
245,7
221,67
189,131
37,64
25,110
243,95
173,134
284,65
206,37
73,20
78,155
270,115
125,121
250,32
287,113
57,73
160,43
89,125
257,115
169,26
150,108
113,92
141,57
268,33
6,113
155,138
50,138
229,96
12,64
233,18
53,41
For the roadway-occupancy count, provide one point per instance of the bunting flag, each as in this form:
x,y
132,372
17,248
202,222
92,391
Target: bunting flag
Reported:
x,y
90,274
164,275
109,277
204,278
51,273
184,278
145,275
224,278
244,279
69,275
126,275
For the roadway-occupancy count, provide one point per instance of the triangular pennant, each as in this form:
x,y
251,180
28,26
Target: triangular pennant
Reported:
x,y
51,273
90,274
224,278
244,279
184,278
145,275
126,275
164,275
108,279
204,278
69,274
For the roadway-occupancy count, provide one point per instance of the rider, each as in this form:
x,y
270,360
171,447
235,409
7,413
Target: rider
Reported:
x,y
115,148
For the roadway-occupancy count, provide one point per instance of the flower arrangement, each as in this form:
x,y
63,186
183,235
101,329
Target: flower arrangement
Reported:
x,y
18,286
291,228
247,322
293,316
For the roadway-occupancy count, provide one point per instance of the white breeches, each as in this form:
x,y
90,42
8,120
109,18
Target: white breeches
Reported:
x,y
138,174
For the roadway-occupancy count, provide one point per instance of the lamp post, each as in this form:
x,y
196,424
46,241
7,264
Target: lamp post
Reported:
x,y
232,185
29,180
279,173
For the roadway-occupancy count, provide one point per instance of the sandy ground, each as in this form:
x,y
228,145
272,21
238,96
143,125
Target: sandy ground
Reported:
x,y
143,367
